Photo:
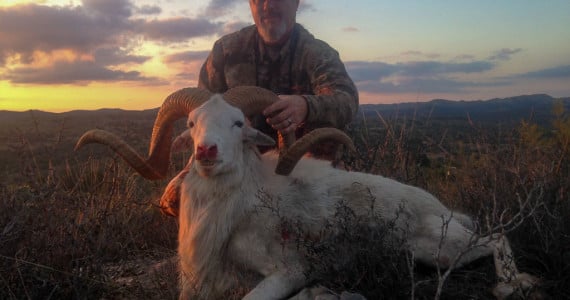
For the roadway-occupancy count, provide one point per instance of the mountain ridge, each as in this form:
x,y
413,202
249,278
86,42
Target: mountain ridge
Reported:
x,y
537,106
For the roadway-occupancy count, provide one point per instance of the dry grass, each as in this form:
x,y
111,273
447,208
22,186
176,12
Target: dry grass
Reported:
x,y
82,226
71,228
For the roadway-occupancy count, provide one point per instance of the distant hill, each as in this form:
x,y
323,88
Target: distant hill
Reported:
x,y
506,110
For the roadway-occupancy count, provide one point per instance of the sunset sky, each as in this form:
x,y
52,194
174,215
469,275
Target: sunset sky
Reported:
x,y
88,54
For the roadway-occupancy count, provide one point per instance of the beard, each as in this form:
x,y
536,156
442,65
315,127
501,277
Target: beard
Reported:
x,y
272,33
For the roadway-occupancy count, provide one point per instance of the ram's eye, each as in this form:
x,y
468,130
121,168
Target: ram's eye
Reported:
x,y
190,124
238,124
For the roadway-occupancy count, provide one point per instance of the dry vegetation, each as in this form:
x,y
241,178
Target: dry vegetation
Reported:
x,y
83,226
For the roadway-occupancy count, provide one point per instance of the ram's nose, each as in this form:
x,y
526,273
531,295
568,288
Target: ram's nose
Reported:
x,y
206,152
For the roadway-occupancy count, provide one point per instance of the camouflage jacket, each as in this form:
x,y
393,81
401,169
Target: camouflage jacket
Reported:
x,y
305,66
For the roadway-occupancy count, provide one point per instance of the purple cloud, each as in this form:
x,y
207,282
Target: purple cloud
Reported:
x,y
109,9
115,56
418,76
148,10
102,29
79,72
504,54
187,56
549,73
176,29
420,54
218,8
363,71
422,68
350,29
28,28
423,85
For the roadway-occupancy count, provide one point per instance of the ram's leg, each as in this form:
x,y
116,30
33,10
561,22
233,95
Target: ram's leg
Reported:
x,y
511,281
278,285
450,244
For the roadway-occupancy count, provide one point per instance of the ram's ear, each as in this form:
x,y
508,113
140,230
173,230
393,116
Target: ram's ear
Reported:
x,y
183,142
257,137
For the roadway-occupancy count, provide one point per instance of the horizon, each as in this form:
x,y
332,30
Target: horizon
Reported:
x,y
361,104
66,55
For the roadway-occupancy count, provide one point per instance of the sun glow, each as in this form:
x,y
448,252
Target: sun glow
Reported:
x,y
69,97
13,2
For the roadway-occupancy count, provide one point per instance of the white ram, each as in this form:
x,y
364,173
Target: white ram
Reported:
x,y
226,230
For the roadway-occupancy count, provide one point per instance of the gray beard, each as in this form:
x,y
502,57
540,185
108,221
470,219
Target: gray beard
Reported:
x,y
272,34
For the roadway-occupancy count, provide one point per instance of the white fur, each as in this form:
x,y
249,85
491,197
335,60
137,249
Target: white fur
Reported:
x,y
230,214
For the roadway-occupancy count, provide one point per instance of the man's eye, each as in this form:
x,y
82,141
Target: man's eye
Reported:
x,y
190,124
238,124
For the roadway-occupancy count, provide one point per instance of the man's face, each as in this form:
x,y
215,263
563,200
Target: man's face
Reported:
x,y
274,18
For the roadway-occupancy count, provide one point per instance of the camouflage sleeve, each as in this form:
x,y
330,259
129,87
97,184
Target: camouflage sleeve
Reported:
x,y
212,71
335,99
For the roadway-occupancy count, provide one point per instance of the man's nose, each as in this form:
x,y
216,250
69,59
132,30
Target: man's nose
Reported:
x,y
269,3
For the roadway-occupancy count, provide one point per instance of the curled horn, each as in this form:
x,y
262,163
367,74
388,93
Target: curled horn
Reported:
x,y
289,159
178,105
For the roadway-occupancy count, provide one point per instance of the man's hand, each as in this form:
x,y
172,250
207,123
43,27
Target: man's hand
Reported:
x,y
287,113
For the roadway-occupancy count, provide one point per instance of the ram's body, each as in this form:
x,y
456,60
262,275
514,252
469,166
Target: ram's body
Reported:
x,y
231,211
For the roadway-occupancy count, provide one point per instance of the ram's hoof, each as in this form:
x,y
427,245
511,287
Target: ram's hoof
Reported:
x,y
522,285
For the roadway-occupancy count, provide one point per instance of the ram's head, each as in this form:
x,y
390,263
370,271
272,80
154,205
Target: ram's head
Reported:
x,y
223,126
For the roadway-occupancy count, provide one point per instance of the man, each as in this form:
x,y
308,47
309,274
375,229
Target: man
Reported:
x,y
278,54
